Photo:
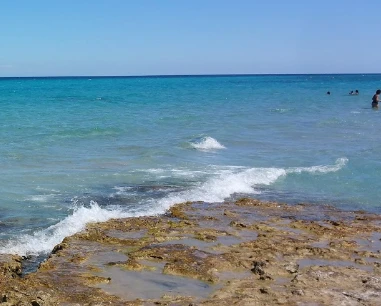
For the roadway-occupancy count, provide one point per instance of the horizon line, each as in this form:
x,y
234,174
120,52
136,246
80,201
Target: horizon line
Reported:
x,y
187,75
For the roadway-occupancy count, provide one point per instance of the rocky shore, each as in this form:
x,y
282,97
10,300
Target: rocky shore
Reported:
x,y
243,253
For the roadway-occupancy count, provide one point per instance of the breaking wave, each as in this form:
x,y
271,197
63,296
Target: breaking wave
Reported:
x,y
216,188
207,144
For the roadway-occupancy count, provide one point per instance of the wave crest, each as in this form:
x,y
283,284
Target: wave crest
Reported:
x,y
222,185
43,241
219,188
207,144
228,183
340,163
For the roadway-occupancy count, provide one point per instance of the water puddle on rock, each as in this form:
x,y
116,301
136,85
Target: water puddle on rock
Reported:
x,y
209,247
335,263
126,235
151,284
102,259
372,244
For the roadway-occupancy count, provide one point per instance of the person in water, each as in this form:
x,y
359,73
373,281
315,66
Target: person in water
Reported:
x,y
351,93
328,92
376,99
356,92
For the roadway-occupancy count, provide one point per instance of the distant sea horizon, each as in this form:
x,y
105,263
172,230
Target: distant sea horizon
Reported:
x,y
189,75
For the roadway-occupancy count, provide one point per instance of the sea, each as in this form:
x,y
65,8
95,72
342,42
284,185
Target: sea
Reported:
x,y
86,149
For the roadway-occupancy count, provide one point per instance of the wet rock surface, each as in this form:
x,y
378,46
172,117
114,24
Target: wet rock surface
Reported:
x,y
243,253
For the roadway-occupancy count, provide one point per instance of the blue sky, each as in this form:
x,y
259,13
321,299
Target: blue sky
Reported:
x,y
144,37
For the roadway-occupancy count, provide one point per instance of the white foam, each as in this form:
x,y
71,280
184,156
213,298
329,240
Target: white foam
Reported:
x,y
120,190
220,186
340,163
207,144
40,198
217,189
43,241
281,110
180,172
229,182
47,189
154,170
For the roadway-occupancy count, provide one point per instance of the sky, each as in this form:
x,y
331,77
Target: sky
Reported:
x,y
171,37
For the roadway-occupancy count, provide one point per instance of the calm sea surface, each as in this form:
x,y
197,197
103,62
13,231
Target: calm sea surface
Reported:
x,y
75,150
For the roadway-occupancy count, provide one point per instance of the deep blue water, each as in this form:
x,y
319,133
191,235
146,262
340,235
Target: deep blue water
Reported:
x,y
75,150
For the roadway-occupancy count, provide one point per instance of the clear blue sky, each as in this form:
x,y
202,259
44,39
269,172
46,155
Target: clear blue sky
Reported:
x,y
142,37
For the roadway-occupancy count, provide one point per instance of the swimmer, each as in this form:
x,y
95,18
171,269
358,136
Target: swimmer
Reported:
x,y
376,99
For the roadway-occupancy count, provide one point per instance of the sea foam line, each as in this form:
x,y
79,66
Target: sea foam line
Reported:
x,y
215,189
222,186
340,163
43,241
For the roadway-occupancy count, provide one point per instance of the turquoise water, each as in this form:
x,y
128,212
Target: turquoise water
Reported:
x,y
76,150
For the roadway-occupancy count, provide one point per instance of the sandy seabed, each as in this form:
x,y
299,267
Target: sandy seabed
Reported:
x,y
243,253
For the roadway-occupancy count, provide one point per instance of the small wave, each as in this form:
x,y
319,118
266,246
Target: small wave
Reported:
x,y
340,163
122,189
281,110
223,186
40,198
43,241
177,172
207,144
217,189
154,170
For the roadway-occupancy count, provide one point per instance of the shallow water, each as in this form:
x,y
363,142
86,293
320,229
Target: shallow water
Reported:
x,y
152,285
75,150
